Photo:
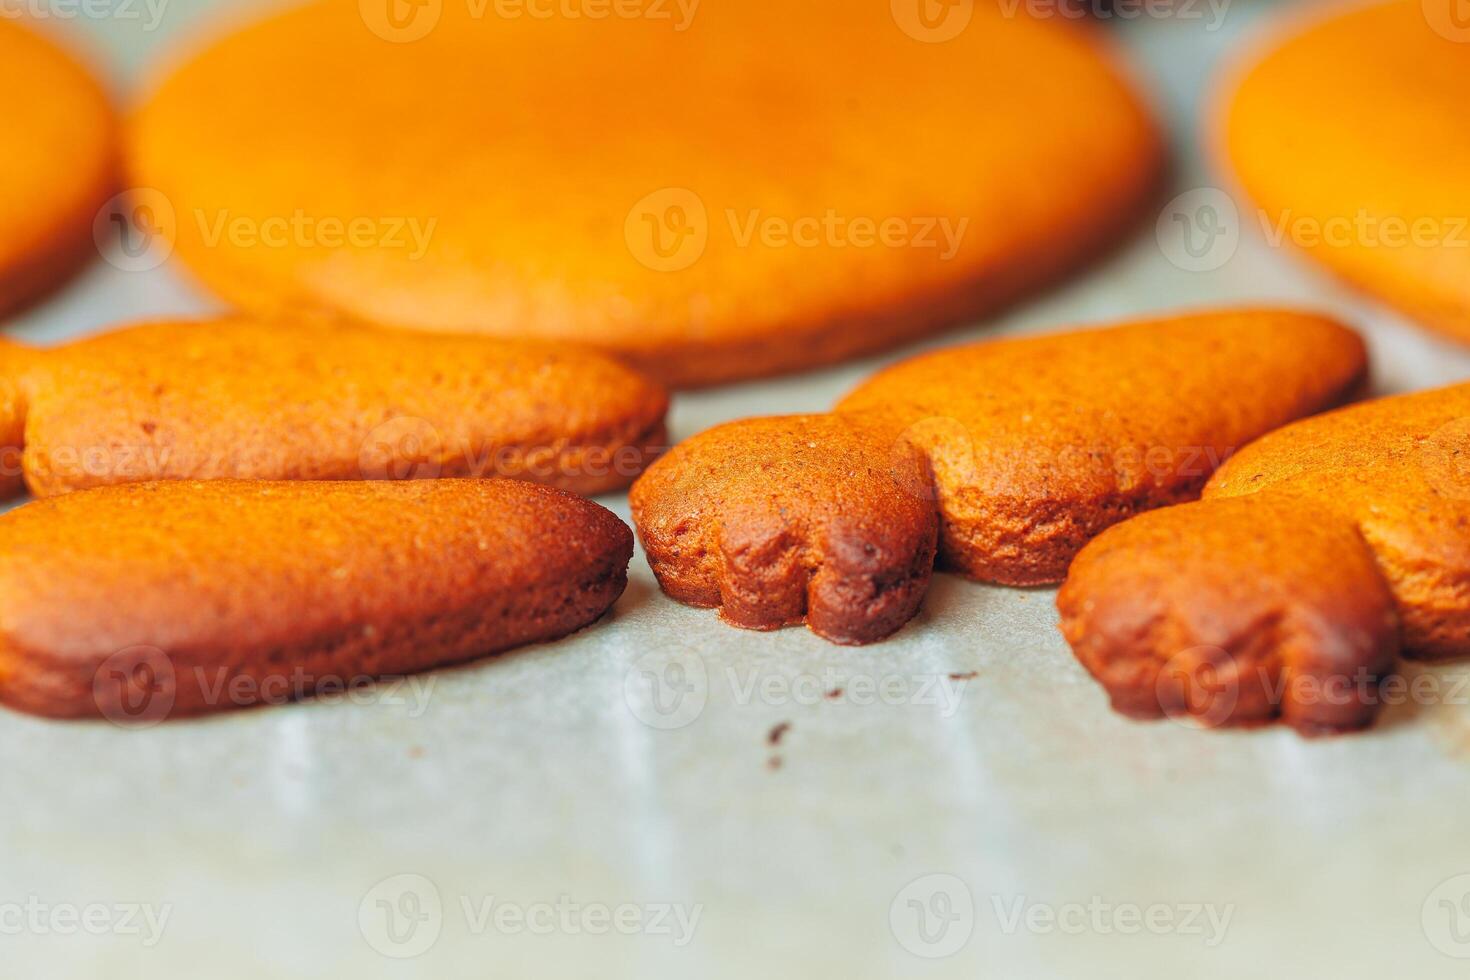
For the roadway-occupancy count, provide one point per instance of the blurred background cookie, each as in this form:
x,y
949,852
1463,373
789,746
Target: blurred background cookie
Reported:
x,y
59,163
1349,128
723,191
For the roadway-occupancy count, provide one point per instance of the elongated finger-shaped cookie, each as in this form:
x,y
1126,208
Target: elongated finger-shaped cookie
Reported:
x,y
252,399
158,600
1020,451
1316,554
815,518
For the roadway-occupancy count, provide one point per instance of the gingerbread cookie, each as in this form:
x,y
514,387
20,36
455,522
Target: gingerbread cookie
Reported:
x,y
713,191
810,518
59,163
1350,135
160,600
278,400
1021,450
1316,553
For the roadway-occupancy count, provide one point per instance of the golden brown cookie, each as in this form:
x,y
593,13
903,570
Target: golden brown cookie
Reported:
x,y
1349,132
1022,449
278,400
1316,553
714,190
807,518
160,600
59,163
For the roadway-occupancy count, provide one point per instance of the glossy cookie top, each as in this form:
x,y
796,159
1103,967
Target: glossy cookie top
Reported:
x,y
717,191
1349,130
58,163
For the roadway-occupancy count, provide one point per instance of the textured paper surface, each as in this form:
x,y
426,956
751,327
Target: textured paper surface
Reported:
x,y
1008,819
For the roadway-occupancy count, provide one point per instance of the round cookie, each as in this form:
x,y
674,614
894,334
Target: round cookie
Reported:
x,y
58,163
1352,136
714,191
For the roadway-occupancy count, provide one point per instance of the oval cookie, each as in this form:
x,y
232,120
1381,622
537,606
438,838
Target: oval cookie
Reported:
x,y
1350,133
714,191
1314,555
58,163
1021,450
160,600
253,399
